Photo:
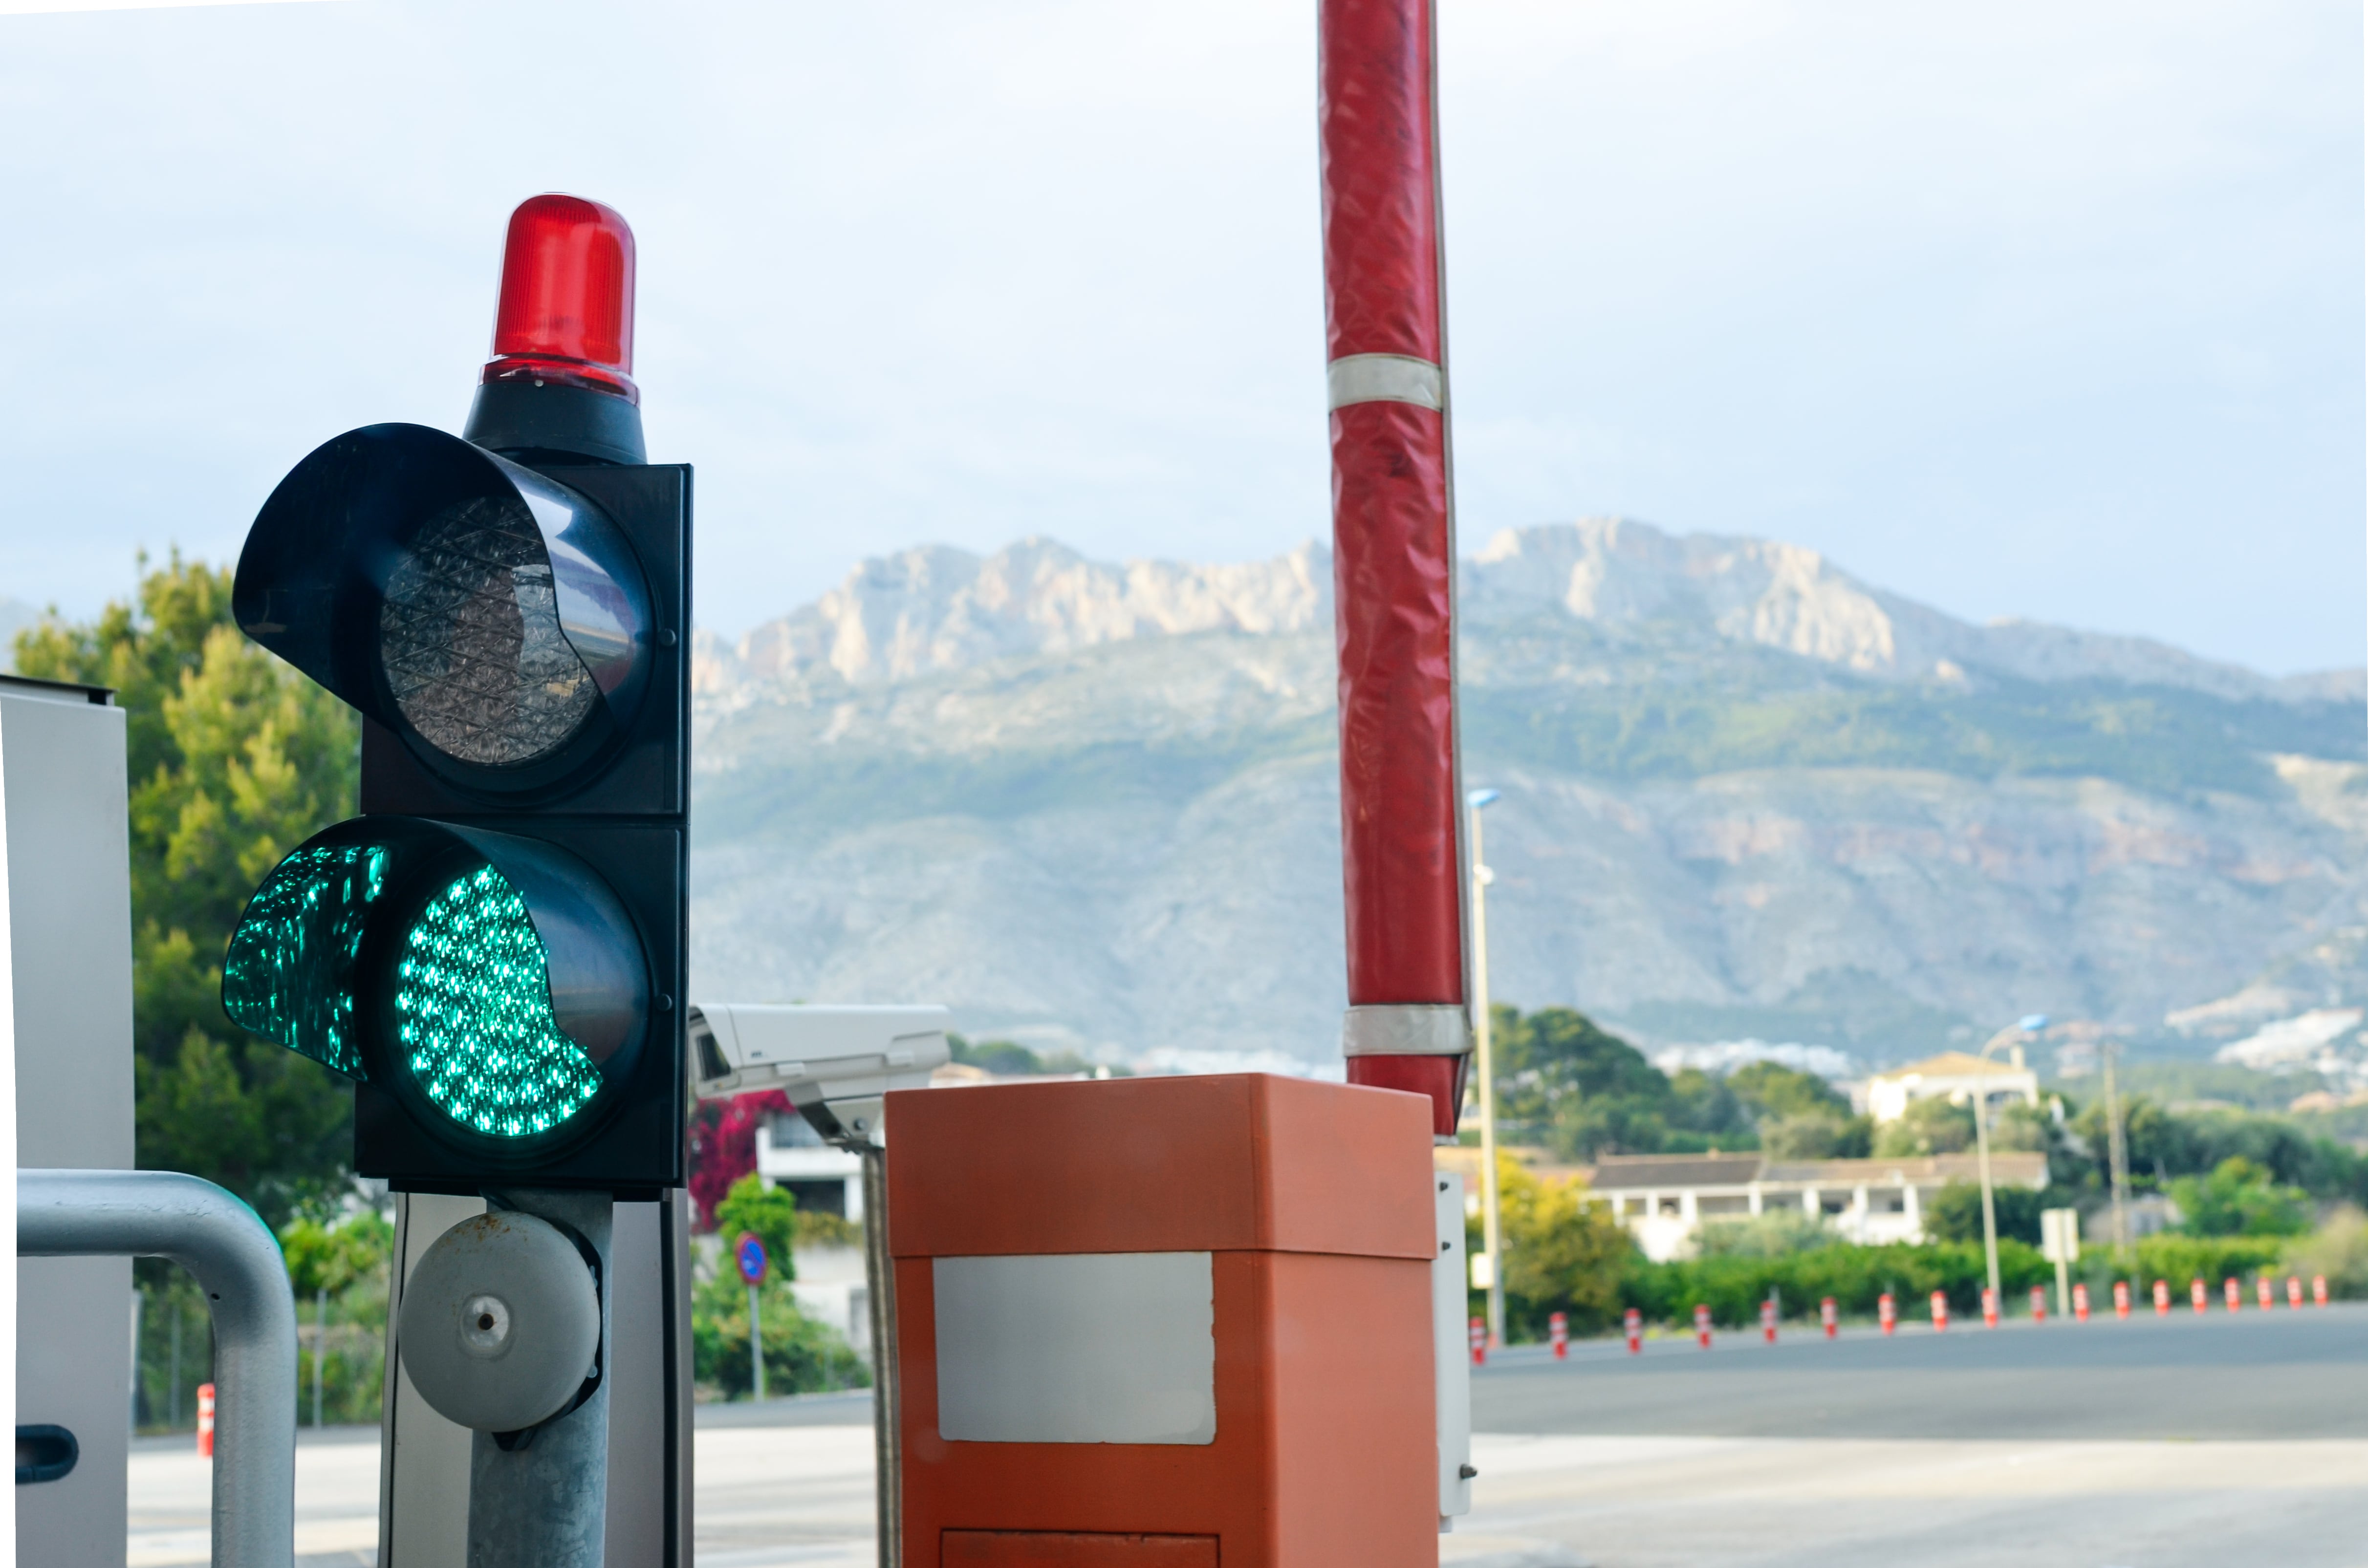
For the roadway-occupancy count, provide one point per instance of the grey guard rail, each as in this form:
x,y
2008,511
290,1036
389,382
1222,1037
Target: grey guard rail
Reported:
x,y
79,1213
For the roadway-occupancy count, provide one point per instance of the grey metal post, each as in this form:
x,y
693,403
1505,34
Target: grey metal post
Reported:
x,y
80,1213
886,1447
546,1504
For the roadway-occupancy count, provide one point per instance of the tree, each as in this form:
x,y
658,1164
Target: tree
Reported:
x,y
234,758
1564,1252
1926,1127
766,1212
1956,1213
2238,1198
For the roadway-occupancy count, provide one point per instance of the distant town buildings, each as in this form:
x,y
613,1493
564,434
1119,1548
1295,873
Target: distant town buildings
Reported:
x,y
1955,1075
1665,1199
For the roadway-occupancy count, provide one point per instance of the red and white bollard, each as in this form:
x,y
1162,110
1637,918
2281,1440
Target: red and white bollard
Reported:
x,y
1886,1313
2261,1292
1702,1326
2039,1303
205,1421
2319,1289
1768,1320
1632,1321
1989,1307
2120,1299
2234,1292
2197,1294
2294,1292
1830,1316
2162,1298
2080,1304
1558,1333
1479,1342
1939,1312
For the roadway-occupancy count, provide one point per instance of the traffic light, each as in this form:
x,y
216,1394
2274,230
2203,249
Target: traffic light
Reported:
x,y
494,950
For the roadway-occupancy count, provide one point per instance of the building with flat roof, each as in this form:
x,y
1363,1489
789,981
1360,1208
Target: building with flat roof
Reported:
x,y
1664,1199
1957,1075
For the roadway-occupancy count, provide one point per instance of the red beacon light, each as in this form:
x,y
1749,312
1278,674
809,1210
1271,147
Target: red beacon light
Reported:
x,y
560,385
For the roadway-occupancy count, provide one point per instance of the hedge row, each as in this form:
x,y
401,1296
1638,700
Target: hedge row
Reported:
x,y
1855,1276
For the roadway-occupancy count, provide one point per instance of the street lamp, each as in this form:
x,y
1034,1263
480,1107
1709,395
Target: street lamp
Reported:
x,y
1476,802
2030,1023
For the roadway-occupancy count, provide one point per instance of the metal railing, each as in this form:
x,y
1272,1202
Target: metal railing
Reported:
x,y
79,1213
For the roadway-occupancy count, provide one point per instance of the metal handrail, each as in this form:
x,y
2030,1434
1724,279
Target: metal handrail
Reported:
x,y
78,1213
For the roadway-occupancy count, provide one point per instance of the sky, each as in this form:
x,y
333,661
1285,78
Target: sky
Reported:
x,y
2041,310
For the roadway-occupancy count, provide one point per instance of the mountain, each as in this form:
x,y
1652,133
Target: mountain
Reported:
x,y
1744,794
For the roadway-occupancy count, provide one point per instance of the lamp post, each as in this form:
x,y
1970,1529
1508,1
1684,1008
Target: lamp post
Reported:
x,y
1491,1231
2031,1024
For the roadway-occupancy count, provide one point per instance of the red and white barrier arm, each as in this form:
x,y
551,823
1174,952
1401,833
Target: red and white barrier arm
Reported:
x,y
1394,553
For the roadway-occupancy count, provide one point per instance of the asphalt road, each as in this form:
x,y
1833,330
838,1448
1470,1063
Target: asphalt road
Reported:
x,y
2278,1374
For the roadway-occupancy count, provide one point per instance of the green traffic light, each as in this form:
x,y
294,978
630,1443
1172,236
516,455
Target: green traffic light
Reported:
x,y
290,973
473,1001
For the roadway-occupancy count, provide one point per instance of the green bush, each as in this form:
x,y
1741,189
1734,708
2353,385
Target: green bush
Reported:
x,y
1855,1276
802,1355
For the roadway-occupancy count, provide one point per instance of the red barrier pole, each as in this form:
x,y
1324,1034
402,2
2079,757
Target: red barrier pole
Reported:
x,y
205,1421
2080,1304
1939,1312
2122,1299
2293,1293
1768,1320
1886,1313
2039,1303
1479,1342
2162,1298
1989,1307
1702,1326
1394,551
1830,1316
2261,1291
1558,1333
1632,1321
2319,1289
2235,1293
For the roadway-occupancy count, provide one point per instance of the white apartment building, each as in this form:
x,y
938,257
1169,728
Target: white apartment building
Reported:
x,y
1663,1200
1957,1076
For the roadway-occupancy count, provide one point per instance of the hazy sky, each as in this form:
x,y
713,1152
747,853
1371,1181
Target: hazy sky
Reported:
x,y
2049,310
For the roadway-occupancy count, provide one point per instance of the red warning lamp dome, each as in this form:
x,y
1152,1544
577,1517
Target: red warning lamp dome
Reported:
x,y
566,311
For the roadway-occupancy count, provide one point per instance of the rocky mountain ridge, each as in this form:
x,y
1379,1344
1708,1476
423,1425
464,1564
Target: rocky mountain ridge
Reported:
x,y
1744,794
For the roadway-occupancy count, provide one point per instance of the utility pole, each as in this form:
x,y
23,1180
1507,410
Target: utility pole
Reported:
x,y
1491,1215
2118,1153
2030,1024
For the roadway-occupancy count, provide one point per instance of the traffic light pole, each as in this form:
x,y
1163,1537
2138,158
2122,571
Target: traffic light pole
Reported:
x,y
887,1455
543,1503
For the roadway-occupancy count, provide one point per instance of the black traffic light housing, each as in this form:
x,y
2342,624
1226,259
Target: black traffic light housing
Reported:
x,y
510,616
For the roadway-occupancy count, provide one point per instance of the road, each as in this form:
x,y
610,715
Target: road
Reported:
x,y
2185,1444
2278,1374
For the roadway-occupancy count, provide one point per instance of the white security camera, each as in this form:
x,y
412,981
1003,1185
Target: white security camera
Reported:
x,y
835,1063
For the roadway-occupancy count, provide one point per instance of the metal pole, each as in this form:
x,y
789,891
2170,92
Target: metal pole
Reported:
x,y
320,1343
1491,1215
880,1276
2118,1151
85,1213
136,1304
756,1349
545,1504
1982,1145
172,1397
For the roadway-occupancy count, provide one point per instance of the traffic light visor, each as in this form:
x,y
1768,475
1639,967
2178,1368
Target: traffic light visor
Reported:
x,y
491,983
495,620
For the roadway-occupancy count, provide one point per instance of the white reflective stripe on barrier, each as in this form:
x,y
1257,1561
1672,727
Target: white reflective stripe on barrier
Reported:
x,y
1385,378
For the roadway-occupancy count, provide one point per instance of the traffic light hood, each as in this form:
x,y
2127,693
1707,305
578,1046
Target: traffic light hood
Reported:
x,y
492,983
495,620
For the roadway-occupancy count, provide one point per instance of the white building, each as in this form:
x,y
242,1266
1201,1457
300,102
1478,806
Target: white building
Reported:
x,y
1955,1075
1663,1200
825,1180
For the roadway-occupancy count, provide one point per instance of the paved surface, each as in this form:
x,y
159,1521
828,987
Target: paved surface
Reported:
x,y
2256,1375
2150,1445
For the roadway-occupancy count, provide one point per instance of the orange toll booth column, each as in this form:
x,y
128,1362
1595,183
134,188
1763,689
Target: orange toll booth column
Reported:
x,y
1164,1323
